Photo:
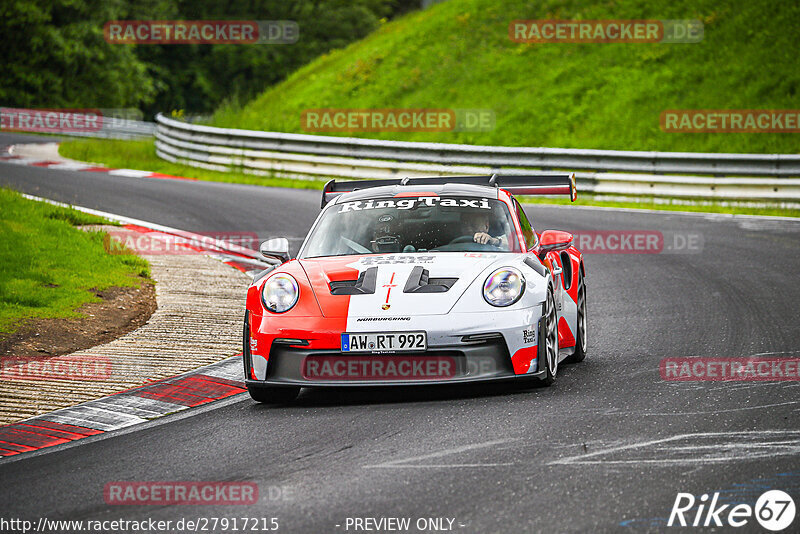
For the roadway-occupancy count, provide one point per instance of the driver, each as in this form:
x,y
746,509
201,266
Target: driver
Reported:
x,y
476,223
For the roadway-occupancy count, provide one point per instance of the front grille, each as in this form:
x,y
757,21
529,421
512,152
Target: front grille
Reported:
x,y
488,358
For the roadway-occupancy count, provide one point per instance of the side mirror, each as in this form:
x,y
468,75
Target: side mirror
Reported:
x,y
277,247
551,240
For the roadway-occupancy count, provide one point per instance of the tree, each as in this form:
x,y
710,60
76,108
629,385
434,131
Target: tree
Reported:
x,y
56,56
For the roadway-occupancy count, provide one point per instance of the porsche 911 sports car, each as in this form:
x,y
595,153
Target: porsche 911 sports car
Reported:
x,y
417,281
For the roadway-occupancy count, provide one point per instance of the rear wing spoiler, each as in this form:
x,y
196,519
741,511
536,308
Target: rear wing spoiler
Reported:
x,y
516,184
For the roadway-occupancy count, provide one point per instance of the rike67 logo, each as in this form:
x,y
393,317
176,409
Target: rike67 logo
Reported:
x,y
774,510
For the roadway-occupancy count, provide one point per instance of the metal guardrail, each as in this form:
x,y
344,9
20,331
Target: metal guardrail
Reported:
x,y
129,130
762,177
108,124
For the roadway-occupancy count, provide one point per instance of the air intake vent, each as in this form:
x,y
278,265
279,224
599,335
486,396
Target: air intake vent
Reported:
x,y
365,285
420,282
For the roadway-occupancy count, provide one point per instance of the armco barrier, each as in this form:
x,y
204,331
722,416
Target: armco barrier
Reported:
x,y
760,177
100,123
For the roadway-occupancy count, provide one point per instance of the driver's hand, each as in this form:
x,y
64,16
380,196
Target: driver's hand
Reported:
x,y
483,238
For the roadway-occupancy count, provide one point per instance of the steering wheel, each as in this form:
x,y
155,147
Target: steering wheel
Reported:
x,y
470,239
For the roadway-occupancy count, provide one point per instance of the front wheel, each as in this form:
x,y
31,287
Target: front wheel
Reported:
x,y
548,340
273,395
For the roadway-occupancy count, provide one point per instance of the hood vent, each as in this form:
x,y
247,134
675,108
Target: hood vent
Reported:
x,y
420,282
365,285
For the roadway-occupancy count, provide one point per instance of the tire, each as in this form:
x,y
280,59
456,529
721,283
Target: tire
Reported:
x,y
548,340
580,338
273,395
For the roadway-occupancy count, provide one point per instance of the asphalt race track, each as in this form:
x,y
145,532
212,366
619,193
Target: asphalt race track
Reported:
x,y
606,448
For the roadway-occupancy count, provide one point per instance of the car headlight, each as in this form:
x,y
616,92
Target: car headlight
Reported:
x,y
280,293
504,287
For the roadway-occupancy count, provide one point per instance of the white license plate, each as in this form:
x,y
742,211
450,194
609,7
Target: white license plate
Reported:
x,y
385,342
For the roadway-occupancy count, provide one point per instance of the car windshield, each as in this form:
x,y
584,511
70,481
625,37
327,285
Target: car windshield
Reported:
x,y
413,224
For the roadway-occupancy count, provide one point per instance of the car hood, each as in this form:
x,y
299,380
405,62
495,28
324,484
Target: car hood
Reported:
x,y
391,284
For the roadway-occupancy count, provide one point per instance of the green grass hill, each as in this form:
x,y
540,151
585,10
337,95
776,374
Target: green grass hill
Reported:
x,y
457,54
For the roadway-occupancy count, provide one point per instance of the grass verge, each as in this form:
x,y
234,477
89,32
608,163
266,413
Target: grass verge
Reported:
x,y
48,268
667,205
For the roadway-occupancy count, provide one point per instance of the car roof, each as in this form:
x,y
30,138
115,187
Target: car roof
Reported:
x,y
454,189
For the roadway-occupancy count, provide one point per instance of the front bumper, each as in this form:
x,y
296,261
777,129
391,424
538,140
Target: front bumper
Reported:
x,y
468,362
452,356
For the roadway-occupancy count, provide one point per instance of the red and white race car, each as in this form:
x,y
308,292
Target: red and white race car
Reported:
x,y
417,281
